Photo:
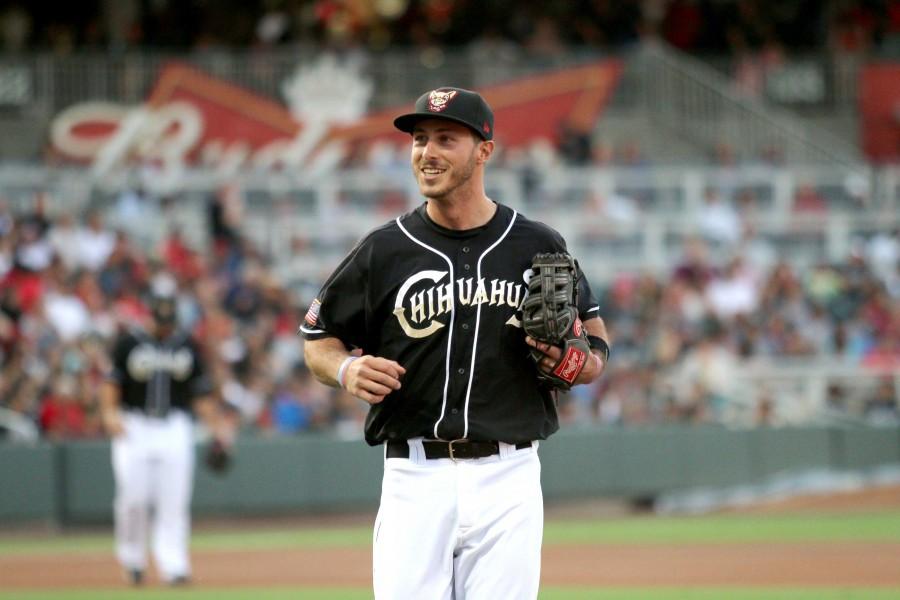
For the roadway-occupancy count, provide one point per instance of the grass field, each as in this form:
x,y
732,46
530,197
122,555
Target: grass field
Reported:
x,y
876,527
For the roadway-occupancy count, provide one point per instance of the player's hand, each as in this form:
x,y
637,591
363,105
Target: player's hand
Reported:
x,y
592,368
372,378
112,423
551,353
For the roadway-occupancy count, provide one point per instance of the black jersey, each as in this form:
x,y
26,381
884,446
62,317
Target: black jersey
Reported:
x,y
445,304
158,375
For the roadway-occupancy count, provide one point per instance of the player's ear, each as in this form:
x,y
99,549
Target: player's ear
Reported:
x,y
485,149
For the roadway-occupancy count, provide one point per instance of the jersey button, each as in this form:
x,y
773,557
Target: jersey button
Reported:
x,y
454,411
461,371
465,325
465,249
467,267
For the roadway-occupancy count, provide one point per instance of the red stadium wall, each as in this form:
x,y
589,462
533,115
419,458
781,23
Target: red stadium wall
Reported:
x,y
879,99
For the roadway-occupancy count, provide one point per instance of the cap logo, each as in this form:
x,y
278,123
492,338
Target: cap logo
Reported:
x,y
438,101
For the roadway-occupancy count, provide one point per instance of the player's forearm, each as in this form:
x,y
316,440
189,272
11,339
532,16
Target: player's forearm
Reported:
x,y
597,363
110,414
596,326
324,358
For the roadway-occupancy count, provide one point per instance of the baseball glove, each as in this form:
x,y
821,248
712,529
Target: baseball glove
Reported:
x,y
218,457
550,315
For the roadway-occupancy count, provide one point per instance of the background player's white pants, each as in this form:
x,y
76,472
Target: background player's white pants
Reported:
x,y
466,530
153,464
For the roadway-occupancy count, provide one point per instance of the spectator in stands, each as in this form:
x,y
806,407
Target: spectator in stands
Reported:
x,y
7,250
718,221
244,297
705,378
64,310
348,415
883,254
64,239
125,269
733,292
694,267
808,201
631,155
7,220
575,145
62,414
179,258
682,25
544,43
758,253
94,243
884,350
33,251
882,407
225,208
300,404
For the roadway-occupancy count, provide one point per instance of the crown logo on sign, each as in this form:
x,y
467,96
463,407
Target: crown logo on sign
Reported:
x,y
328,90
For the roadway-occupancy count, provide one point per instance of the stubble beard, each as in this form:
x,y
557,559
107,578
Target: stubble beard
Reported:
x,y
457,180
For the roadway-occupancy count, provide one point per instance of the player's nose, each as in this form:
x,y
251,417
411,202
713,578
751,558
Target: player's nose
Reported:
x,y
429,150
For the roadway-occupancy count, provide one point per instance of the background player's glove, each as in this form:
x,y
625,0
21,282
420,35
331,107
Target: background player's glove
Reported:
x,y
550,315
218,457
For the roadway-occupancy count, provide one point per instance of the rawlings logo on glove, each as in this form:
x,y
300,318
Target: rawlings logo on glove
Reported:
x,y
571,365
550,315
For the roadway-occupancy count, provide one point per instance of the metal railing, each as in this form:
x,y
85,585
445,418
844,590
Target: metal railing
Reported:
x,y
689,97
52,83
821,390
676,91
617,220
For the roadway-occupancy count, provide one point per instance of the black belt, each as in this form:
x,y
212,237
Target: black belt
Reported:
x,y
457,449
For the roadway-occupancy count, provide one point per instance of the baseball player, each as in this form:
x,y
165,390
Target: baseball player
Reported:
x,y
157,378
422,321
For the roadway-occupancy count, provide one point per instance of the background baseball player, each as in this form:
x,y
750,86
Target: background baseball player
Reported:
x,y
157,378
422,320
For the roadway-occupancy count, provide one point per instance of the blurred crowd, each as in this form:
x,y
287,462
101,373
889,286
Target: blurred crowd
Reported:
x,y
68,286
681,340
700,26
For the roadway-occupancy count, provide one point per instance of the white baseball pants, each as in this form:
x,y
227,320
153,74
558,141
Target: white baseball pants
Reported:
x,y
464,530
153,465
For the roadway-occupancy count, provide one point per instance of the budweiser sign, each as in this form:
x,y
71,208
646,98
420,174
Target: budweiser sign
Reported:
x,y
193,119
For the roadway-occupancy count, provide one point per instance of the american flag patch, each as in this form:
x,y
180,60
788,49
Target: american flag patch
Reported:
x,y
312,315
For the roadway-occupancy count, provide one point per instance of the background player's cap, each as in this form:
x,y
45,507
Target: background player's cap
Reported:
x,y
454,104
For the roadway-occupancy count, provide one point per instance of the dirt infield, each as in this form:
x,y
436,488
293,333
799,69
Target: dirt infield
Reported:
x,y
826,564
820,564
870,499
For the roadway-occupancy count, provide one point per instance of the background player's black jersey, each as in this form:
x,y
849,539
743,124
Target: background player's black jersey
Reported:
x,y
445,304
158,375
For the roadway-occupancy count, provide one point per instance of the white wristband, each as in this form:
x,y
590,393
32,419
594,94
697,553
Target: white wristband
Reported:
x,y
343,370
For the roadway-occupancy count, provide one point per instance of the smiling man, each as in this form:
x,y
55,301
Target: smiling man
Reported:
x,y
422,320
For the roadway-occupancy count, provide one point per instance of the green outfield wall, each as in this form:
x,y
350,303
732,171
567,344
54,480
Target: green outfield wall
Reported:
x,y
72,482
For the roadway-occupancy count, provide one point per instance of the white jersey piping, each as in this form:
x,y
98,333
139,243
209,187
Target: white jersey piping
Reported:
x,y
452,319
478,323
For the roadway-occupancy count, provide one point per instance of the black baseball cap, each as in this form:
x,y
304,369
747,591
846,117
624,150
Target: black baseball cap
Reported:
x,y
454,104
